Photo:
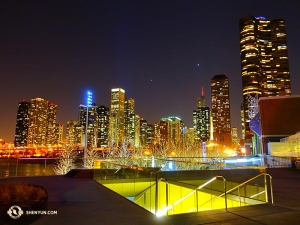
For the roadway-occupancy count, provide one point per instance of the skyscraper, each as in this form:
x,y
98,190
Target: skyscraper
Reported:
x,y
42,123
51,125
58,140
74,133
128,117
116,119
22,124
169,130
150,135
98,125
264,61
220,109
201,100
102,126
201,120
201,124
91,124
143,132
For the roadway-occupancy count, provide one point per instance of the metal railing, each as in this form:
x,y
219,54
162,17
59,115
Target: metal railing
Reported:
x,y
168,207
246,182
224,194
236,195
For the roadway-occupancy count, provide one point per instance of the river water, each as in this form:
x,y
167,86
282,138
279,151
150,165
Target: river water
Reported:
x,y
27,167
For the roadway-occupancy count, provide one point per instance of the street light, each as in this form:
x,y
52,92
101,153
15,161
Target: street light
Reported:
x,y
89,103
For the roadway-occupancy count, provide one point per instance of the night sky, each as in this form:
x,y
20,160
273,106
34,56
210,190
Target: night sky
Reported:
x,y
160,52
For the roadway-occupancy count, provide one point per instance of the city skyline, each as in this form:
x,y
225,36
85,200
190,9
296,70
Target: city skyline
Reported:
x,y
160,53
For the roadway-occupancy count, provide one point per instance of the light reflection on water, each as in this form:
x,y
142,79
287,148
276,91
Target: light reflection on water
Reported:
x,y
26,167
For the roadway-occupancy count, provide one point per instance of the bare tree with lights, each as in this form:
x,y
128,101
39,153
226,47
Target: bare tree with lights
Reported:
x,y
137,156
91,157
66,161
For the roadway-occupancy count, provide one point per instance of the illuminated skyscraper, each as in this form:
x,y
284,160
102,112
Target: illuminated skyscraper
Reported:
x,y
201,120
201,100
264,61
59,128
92,125
137,130
170,129
143,132
128,117
22,124
74,133
98,125
221,109
102,126
42,122
234,135
150,135
116,119
51,124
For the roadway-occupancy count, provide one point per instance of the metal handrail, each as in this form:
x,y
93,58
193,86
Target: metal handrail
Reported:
x,y
242,184
166,209
146,190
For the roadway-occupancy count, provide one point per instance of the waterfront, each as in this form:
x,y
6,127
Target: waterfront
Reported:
x,y
26,167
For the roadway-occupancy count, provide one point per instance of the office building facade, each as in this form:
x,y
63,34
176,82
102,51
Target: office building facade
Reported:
x,y
264,62
201,120
42,123
117,118
22,124
220,110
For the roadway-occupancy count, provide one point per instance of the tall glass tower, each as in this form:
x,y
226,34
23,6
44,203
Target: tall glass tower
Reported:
x,y
220,111
42,122
116,119
22,124
201,120
264,61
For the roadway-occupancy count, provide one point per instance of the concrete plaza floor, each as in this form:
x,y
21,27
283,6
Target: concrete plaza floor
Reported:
x,y
84,201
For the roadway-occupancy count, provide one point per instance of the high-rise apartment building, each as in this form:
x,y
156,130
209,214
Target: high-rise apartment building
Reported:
x,y
169,130
116,119
150,135
143,132
201,120
220,111
59,129
128,117
137,130
102,126
74,133
42,123
201,124
90,120
234,135
51,125
98,125
22,124
264,61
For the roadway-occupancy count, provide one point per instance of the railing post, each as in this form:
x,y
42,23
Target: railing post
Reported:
x,y
224,180
197,201
167,197
239,195
156,194
266,187
45,165
17,167
271,189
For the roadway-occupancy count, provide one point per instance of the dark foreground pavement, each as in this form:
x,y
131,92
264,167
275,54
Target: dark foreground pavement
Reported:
x,y
84,201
